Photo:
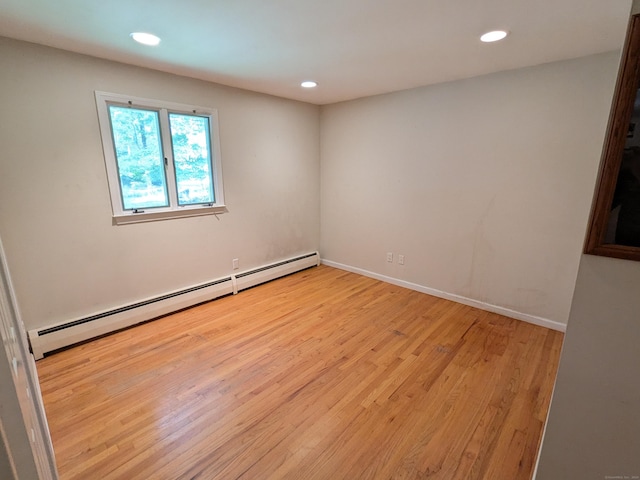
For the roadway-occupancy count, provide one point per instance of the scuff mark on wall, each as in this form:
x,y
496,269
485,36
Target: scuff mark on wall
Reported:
x,y
482,254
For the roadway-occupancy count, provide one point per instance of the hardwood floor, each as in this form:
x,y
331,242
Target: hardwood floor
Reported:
x,y
320,375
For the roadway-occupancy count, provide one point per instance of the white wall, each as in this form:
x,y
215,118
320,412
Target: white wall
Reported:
x,y
594,424
67,258
483,184
5,467
593,427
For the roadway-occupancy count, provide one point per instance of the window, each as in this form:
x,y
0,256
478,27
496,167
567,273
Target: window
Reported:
x,y
614,228
162,159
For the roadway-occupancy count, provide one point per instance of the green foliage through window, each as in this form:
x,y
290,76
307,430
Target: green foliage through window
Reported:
x,y
191,158
162,158
136,137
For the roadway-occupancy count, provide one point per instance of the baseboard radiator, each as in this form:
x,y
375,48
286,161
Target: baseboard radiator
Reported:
x,y
61,335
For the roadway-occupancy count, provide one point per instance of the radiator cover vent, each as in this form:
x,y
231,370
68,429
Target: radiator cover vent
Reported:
x,y
62,335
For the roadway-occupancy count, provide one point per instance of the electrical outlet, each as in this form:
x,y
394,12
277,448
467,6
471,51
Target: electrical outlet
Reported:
x,y
390,257
401,259
236,264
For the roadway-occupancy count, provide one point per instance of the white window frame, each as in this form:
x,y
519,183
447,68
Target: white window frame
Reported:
x,y
122,216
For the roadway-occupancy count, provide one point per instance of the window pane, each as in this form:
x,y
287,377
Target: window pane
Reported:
x,y
192,158
136,138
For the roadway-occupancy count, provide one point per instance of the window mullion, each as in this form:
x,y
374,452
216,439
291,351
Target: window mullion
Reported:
x,y
168,158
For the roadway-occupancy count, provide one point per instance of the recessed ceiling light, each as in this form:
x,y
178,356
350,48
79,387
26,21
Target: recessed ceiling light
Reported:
x,y
493,36
145,38
309,84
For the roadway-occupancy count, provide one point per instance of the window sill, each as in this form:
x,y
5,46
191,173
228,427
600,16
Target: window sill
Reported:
x,y
615,251
154,216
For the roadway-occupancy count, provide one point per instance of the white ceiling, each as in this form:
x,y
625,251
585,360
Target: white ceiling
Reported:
x,y
352,48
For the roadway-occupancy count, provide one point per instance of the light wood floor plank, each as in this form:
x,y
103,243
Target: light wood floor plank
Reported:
x,y
319,375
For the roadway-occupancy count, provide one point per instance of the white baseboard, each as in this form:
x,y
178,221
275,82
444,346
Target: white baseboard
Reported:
x,y
48,339
53,337
507,312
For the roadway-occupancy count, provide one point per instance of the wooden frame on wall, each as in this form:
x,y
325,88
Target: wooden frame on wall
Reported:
x,y
613,151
